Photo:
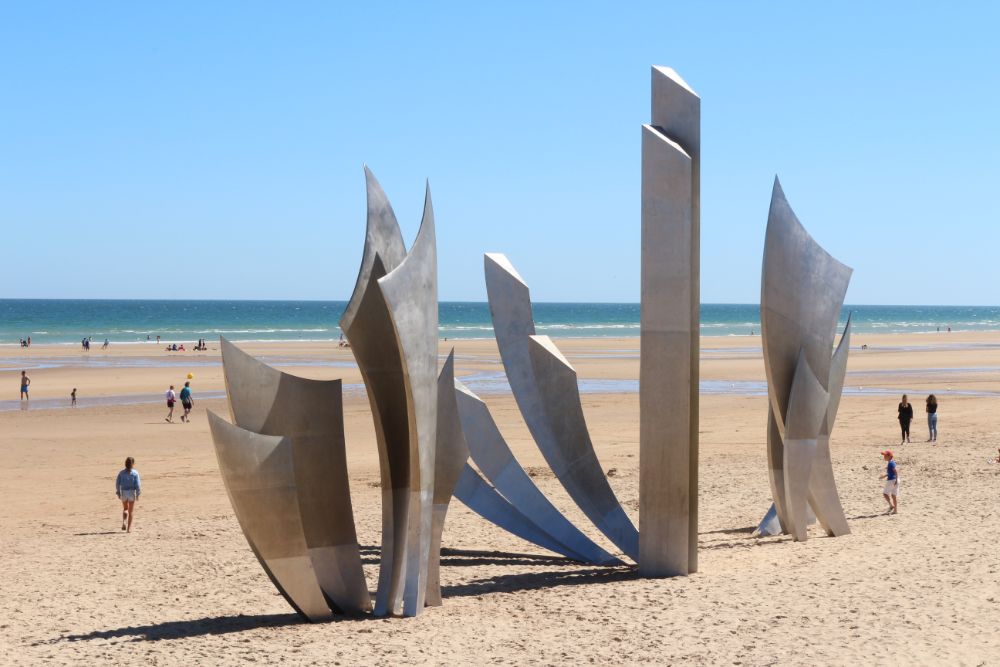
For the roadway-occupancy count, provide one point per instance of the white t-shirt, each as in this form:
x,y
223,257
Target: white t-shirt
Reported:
x,y
171,396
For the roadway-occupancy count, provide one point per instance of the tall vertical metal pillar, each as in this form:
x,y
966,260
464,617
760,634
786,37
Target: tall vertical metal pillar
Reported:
x,y
670,320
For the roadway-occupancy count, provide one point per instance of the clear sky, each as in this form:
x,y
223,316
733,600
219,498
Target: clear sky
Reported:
x,y
215,150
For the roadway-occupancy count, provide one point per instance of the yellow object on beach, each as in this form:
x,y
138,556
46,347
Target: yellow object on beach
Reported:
x,y
190,376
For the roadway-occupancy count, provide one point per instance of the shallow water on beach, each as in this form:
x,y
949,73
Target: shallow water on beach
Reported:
x,y
486,384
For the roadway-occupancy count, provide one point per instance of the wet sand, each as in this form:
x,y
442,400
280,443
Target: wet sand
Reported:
x,y
184,588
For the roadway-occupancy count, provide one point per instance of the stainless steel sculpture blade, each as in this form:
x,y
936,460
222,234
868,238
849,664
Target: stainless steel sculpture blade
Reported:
x,y
410,295
669,329
776,469
554,417
450,460
479,496
493,457
368,328
802,292
310,414
384,249
391,324
259,476
823,495
806,411
571,452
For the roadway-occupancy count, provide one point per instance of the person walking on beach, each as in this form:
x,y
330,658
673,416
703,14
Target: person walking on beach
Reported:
x,y
171,399
931,418
72,398
891,489
128,487
25,383
905,417
187,402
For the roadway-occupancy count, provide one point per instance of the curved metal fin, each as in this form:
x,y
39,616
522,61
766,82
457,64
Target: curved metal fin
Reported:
x,y
838,371
806,411
383,239
571,453
310,414
493,457
449,461
410,294
823,495
259,475
479,496
802,292
549,401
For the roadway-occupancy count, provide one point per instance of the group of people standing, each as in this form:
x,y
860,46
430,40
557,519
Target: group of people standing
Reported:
x,y
905,412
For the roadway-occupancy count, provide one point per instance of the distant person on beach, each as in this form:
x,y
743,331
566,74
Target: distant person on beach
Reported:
x,y
106,343
72,398
187,402
29,341
931,418
25,383
905,417
891,489
128,486
157,339
171,399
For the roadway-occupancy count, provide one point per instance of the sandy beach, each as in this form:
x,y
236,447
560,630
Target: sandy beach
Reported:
x,y
921,587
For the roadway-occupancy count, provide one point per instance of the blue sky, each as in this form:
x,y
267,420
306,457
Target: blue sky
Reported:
x,y
215,150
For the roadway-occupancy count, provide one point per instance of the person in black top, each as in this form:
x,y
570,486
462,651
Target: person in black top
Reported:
x,y
905,417
932,418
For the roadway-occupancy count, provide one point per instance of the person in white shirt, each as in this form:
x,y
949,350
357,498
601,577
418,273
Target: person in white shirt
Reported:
x,y
171,399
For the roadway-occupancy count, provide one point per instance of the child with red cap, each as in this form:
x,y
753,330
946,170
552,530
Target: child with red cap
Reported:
x,y
891,477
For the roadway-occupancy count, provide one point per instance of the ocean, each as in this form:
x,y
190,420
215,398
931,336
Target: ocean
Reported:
x,y
67,321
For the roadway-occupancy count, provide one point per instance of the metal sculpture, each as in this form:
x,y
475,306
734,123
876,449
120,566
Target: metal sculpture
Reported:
x,y
544,385
291,429
451,456
391,322
802,293
475,492
284,461
309,413
483,499
493,457
669,330
259,475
